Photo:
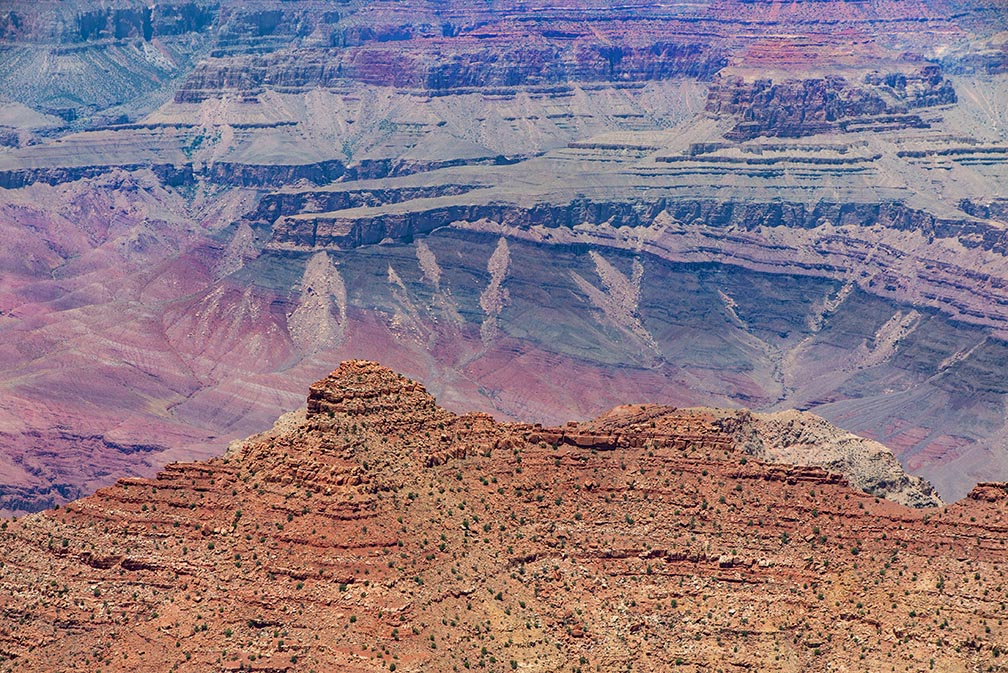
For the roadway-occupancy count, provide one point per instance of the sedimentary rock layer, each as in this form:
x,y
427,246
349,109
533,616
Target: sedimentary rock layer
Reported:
x,y
379,530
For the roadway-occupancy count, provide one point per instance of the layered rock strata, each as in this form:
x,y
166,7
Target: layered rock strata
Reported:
x,y
377,530
769,205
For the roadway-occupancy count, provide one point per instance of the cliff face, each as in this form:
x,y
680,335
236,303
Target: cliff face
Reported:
x,y
442,66
824,238
302,45
78,23
378,530
99,64
794,108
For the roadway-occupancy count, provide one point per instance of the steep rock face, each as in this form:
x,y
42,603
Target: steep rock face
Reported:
x,y
796,108
468,47
824,238
361,227
456,47
99,64
78,23
444,66
377,529
225,173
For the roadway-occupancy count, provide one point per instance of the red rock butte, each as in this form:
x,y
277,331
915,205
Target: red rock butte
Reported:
x,y
377,531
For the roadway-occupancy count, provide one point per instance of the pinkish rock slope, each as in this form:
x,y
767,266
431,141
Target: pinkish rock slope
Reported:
x,y
757,204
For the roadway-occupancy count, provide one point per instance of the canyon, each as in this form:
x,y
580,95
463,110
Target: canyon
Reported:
x,y
540,212
374,530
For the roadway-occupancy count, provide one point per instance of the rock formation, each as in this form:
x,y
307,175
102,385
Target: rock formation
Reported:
x,y
801,438
377,531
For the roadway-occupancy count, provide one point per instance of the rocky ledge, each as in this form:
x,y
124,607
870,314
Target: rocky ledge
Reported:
x,y
800,107
377,531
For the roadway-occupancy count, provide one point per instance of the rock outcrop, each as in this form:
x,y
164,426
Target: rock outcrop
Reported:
x,y
802,438
794,108
377,531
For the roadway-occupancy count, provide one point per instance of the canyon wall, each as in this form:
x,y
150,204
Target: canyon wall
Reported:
x,y
768,205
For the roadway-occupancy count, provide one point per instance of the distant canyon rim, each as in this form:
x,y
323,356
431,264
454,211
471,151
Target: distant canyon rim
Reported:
x,y
539,211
